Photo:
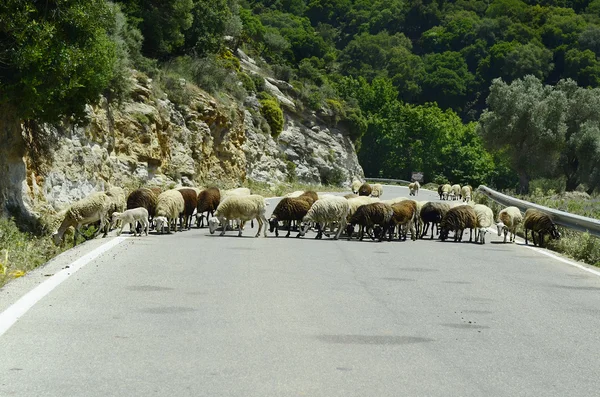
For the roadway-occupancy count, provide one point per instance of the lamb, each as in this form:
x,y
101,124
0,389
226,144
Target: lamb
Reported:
x,y
208,201
376,190
356,184
365,189
458,219
190,199
330,209
143,197
405,217
485,219
243,208
414,188
432,214
508,221
88,210
369,215
132,216
456,192
540,222
446,189
288,209
170,205
466,193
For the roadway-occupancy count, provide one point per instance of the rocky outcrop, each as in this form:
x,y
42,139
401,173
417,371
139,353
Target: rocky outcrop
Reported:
x,y
150,141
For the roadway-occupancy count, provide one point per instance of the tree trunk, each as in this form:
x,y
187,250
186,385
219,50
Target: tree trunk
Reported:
x,y
523,183
572,183
12,164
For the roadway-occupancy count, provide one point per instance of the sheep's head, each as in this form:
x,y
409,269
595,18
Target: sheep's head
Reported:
x,y
273,224
500,227
213,224
56,238
114,218
444,233
160,222
554,233
482,232
349,230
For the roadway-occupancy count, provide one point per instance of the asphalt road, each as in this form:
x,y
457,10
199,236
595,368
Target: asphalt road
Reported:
x,y
194,314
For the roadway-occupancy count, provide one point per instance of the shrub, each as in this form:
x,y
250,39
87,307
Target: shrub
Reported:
x,y
272,112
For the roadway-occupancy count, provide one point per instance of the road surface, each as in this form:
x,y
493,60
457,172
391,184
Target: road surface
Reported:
x,y
194,314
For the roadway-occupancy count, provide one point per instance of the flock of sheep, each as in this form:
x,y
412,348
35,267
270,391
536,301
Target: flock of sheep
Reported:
x,y
302,210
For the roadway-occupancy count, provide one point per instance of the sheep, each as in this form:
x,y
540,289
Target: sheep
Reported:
x,y
540,222
432,214
240,191
446,189
369,215
394,200
118,201
365,189
88,210
132,216
456,192
485,219
466,193
310,196
414,188
405,217
143,197
243,208
208,201
508,221
458,219
297,193
419,222
288,209
190,198
351,195
441,191
376,190
170,205
330,209
356,184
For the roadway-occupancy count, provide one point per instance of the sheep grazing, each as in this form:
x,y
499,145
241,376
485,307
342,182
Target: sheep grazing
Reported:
x,y
446,189
540,222
405,217
356,184
369,215
288,209
508,221
190,199
88,210
376,190
414,188
327,210
456,192
208,201
431,214
485,219
170,205
365,189
143,197
242,208
458,219
466,192
132,217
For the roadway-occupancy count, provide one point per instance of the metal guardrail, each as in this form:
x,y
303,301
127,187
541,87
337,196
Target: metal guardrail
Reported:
x,y
387,180
571,221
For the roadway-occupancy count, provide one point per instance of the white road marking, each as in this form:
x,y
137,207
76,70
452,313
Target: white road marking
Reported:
x,y
11,315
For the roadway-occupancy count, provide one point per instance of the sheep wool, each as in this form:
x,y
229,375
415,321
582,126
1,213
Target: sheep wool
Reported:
x,y
369,215
329,209
446,189
143,197
208,201
170,204
540,222
485,219
190,199
405,217
431,214
90,209
288,209
376,190
131,217
466,193
365,190
455,190
508,221
243,208
310,196
458,219
356,184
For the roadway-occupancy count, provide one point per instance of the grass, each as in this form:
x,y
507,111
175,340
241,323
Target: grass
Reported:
x,y
576,245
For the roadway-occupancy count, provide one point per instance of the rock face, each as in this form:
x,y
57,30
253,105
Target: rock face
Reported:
x,y
150,141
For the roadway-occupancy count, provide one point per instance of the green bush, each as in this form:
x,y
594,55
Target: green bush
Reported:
x,y
247,82
272,112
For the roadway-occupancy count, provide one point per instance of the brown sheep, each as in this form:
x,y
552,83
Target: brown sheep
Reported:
x,y
458,219
432,214
441,191
365,190
405,217
369,215
190,197
288,209
310,196
540,222
208,201
143,197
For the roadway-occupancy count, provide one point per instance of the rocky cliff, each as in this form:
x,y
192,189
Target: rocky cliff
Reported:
x,y
149,140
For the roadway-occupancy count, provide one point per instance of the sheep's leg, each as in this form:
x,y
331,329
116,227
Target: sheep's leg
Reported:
x,y
259,226
361,233
289,230
413,232
240,228
505,234
471,235
541,239
319,232
341,227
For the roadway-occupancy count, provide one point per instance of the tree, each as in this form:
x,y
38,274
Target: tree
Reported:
x,y
526,120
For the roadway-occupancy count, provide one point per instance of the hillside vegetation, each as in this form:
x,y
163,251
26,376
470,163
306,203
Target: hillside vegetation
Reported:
x,y
410,79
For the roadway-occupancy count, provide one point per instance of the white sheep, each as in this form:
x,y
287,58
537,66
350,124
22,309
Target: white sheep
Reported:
x,y
118,199
327,210
295,194
243,208
485,219
132,217
508,221
455,192
240,191
446,189
356,184
170,206
466,193
88,210
377,190
414,188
